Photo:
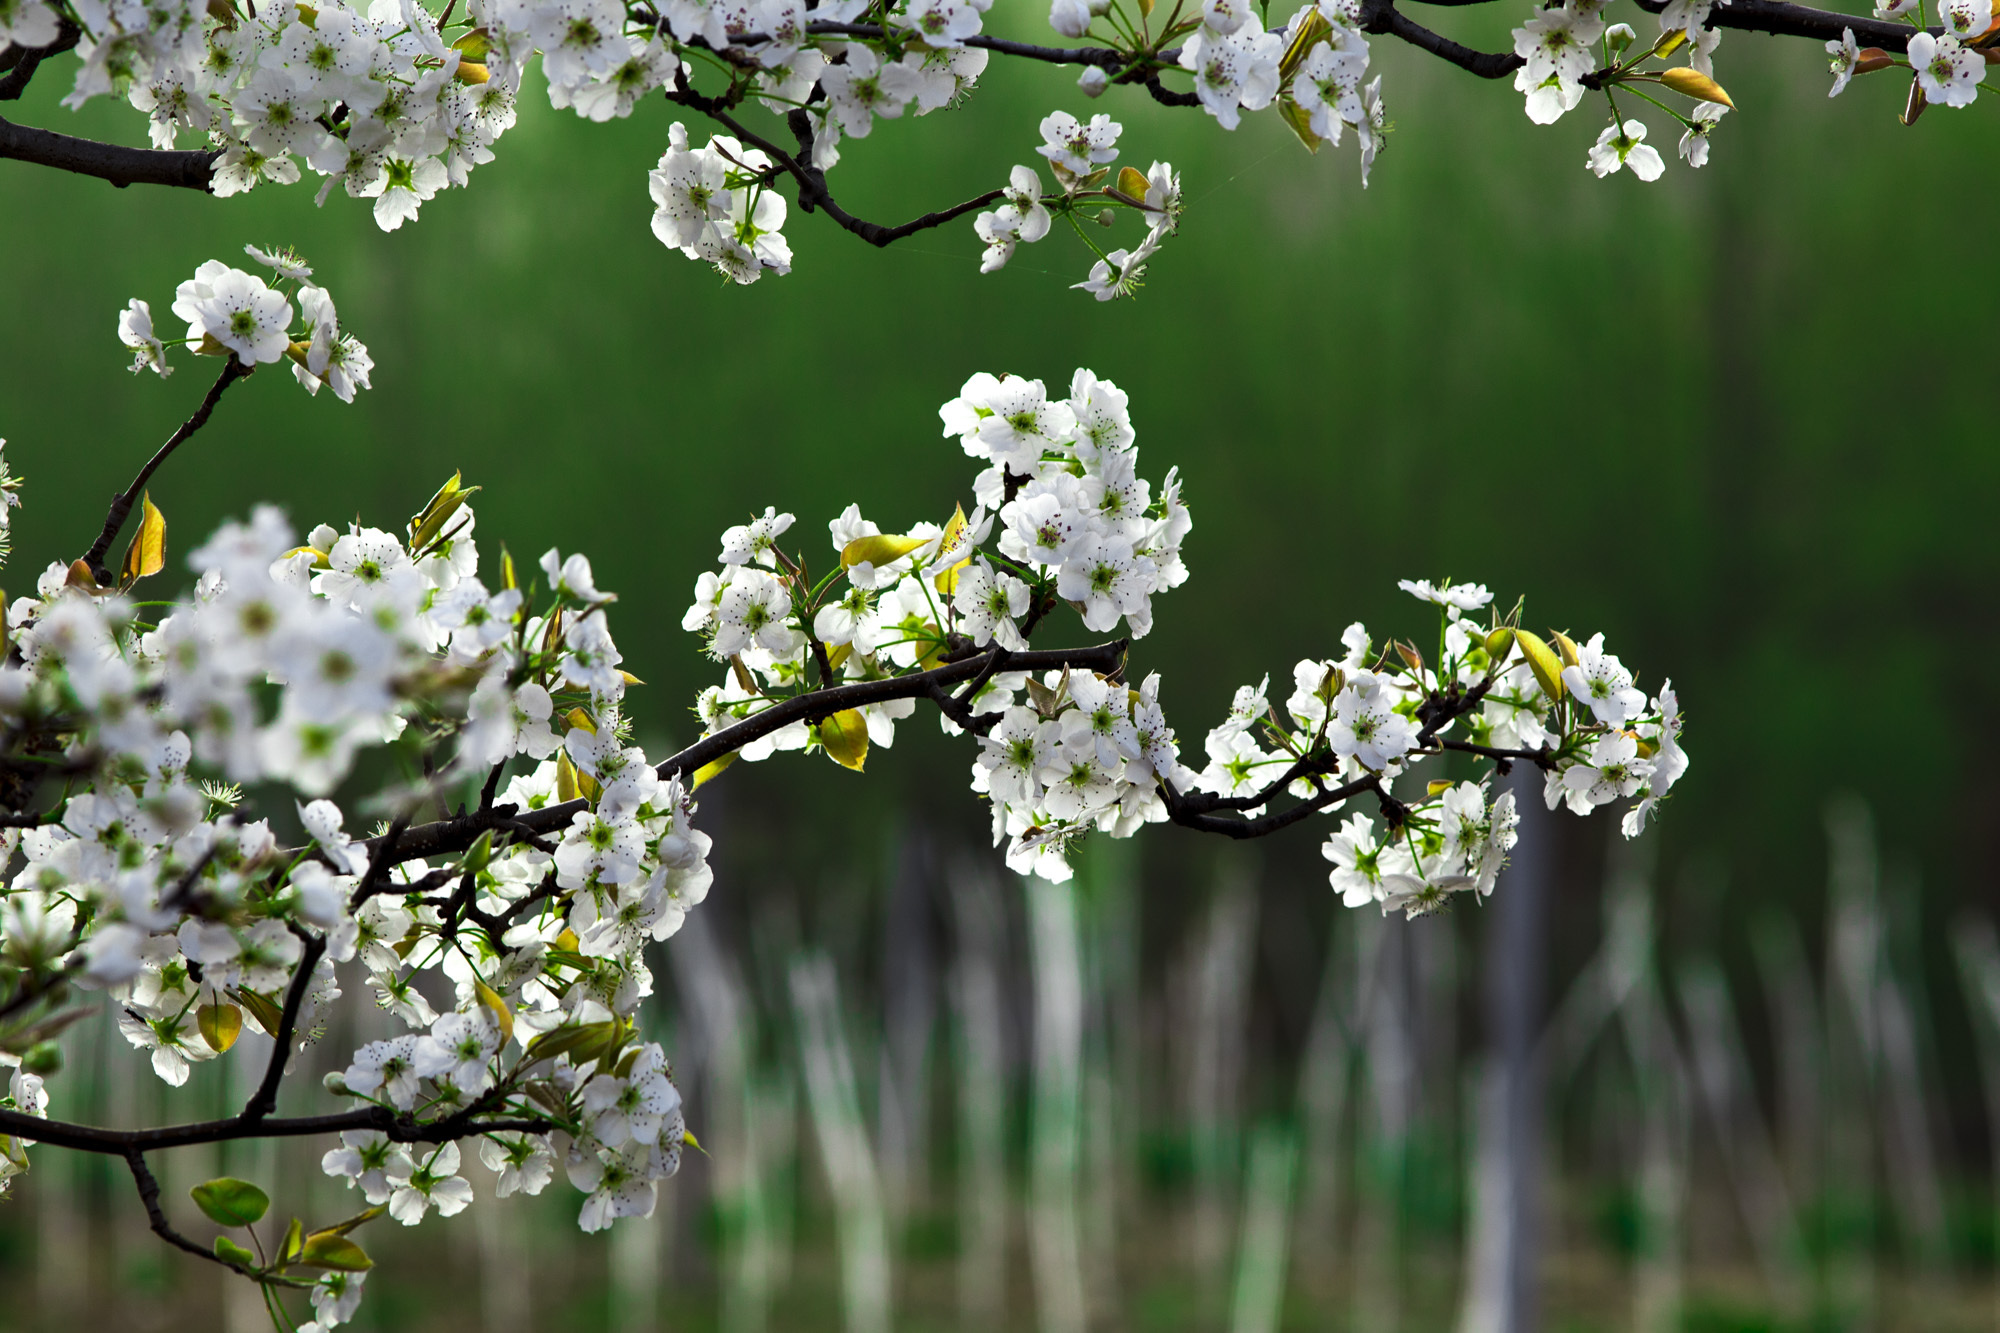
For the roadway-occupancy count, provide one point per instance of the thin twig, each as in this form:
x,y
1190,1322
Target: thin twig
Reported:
x,y
121,505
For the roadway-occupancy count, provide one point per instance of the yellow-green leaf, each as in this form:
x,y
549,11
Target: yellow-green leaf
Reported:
x,y
1500,643
430,520
501,1013
233,1254
264,1009
1670,42
1693,83
1543,662
687,1137
881,549
319,557
1133,183
1299,121
220,1025
327,1250
1567,647
147,555
295,1239
710,771
576,717
507,579
474,45
1438,785
954,532
230,1202
1316,27
845,738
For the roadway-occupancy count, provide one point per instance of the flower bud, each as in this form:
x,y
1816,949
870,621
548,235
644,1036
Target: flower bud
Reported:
x,y
1099,8
1500,643
1093,82
1106,217
335,1082
1619,38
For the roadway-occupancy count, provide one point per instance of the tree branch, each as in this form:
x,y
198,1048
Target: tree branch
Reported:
x,y
149,1196
121,505
265,1099
21,62
447,836
189,169
400,1129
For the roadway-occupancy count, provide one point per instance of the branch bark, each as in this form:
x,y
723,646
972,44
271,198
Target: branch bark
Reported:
x,y
188,169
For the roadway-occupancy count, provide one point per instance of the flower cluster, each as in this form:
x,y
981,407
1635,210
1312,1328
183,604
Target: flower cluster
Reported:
x,y
236,314
715,204
1079,154
1075,524
1361,721
506,943
1567,49
393,102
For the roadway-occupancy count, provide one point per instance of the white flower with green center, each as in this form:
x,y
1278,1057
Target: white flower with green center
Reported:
x,y
1602,684
1948,72
862,88
435,1183
521,1163
228,308
460,1049
1365,724
988,603
365,1158
1623,146
1612,771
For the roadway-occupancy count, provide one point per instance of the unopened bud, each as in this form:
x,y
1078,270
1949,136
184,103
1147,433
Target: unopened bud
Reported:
x,y
1106,217
1099,8
336,1083
1619,38
1093,82
1500,643
1915,106
1567,647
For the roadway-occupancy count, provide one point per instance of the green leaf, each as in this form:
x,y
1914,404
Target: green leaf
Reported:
x,y
220,1024
264,1009
234,1255
295,1239
230,1202
324,1249
882,549
147,555
1543,662
845,738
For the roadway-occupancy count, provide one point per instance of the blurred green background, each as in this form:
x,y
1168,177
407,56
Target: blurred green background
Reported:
x,y
1739,419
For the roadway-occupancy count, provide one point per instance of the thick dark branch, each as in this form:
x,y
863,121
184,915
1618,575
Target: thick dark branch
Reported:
x,y
1181,813
21,62
1100,56
1539,758
1783,20
813,192
265,1099
149,1195
188,169
1384,17
448,836
121,505
120,1142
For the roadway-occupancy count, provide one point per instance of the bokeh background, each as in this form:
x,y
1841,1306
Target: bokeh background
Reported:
x,y
1741,420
